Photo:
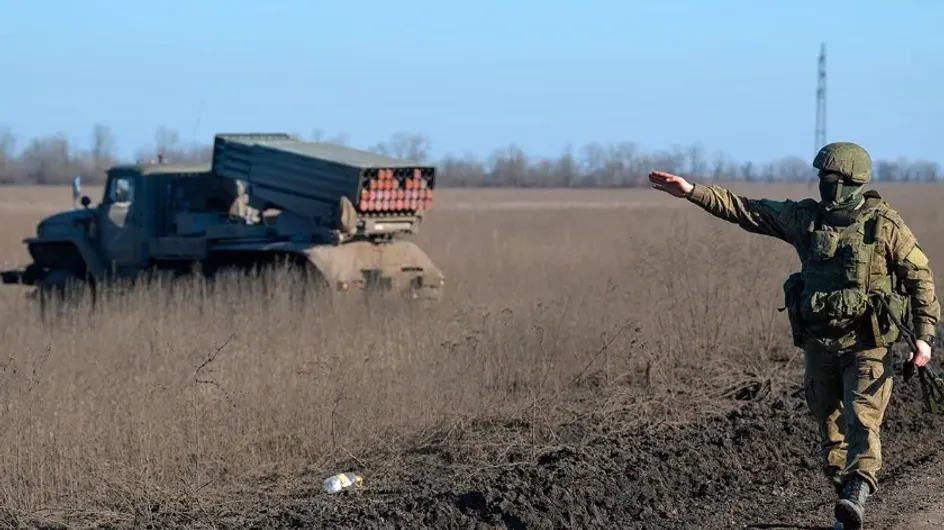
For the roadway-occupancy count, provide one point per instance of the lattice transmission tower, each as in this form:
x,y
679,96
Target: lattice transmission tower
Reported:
x,y
820,134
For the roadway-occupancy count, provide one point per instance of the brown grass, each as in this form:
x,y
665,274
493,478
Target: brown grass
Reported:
x,y
173,396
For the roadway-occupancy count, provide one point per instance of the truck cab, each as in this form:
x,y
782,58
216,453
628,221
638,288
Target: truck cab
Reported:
x,y
158,212
141,207
150,213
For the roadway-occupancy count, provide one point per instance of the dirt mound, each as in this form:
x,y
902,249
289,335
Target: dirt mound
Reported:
x,y
755,465
712,472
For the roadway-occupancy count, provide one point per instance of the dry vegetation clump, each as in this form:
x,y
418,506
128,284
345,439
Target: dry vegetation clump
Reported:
x,y
172,400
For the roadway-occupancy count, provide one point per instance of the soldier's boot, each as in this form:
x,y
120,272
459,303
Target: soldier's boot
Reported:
x,y
838,487
850,508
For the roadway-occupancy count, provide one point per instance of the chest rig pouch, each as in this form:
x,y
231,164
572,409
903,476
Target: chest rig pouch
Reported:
x,y
828,300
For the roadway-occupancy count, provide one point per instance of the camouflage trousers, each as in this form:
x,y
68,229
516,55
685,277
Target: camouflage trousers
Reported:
x,y
847,395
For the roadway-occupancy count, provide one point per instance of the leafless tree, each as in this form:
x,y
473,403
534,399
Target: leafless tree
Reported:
x,y
52,159
413,147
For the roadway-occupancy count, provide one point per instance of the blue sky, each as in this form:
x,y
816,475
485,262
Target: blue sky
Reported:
x,y
732,75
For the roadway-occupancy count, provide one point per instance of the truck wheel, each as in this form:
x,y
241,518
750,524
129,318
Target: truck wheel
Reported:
x,y
58,289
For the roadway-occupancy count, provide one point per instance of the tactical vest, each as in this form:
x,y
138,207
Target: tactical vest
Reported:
x,y
844,266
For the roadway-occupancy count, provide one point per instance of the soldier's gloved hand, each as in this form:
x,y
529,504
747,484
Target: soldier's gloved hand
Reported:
x,y
671,184
924,353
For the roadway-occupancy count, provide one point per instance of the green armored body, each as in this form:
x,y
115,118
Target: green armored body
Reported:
x,y
855,253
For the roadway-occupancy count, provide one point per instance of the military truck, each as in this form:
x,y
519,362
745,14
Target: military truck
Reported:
x,y
338,213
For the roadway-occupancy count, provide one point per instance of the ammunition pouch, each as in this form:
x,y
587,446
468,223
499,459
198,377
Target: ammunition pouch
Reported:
x,y
830,317
824,245
792,294
835,311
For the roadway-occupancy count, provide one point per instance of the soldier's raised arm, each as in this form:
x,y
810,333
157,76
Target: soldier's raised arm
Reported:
x,y
759,216
913,268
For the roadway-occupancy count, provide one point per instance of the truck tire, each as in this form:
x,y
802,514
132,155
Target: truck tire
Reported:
x,y
59,289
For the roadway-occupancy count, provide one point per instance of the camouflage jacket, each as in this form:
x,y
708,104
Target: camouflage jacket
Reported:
x,y
788,220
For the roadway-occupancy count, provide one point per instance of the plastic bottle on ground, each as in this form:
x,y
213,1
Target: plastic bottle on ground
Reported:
x,y
343,481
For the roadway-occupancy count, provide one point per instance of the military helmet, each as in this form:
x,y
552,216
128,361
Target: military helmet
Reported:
x,y
847,159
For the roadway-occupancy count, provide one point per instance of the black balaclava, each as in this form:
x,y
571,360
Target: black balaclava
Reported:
x,y
838,195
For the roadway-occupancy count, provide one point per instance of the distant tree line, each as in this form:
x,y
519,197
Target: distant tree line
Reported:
x,y
53,159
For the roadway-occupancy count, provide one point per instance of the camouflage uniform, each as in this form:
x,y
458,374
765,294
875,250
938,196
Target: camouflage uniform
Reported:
x,y
852,247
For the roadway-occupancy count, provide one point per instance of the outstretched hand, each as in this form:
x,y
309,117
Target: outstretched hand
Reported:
x,y
671,184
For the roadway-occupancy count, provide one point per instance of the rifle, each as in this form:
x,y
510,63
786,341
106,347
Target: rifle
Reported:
x,y
932,386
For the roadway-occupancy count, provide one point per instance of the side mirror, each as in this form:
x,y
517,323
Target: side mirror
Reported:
x,y
76,187
86,201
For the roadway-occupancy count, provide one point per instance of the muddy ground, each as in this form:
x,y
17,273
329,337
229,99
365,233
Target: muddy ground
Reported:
x,y
751,466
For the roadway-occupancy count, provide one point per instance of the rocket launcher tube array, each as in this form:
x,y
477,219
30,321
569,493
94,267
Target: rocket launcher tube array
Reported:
x,y
309,178
396,191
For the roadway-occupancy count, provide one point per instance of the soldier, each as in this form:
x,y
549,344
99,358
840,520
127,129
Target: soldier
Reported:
x,y
856,252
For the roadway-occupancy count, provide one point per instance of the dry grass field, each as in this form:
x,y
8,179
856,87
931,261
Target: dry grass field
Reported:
x,y
601,359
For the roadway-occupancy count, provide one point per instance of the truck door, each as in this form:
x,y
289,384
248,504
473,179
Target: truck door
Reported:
x,y
122,226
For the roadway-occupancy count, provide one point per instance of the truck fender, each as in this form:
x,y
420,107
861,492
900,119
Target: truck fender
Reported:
x,y
93,262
